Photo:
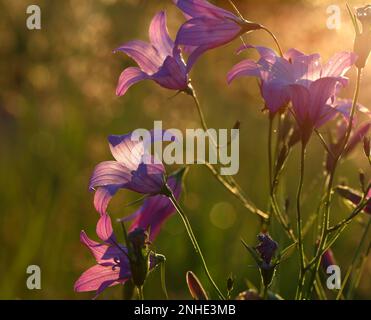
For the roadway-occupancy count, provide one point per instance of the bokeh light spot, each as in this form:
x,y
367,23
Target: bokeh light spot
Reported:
x,y
223,215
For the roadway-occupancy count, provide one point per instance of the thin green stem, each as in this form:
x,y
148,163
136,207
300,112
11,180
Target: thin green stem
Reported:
x,y
326,219
299,224
193,240
237,193
140,293
231,186
356,257
270,159
274,39
265,292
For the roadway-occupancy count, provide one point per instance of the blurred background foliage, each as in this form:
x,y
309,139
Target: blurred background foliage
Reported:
x,y
58,105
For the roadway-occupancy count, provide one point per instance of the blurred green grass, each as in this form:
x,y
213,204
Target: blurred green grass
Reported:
x,y
57,106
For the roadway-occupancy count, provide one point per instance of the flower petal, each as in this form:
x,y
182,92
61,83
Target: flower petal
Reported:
x,y
339,64
264,52
98,278
196,53
144,54
321,91
109,173
275,94
104,229
307,68
357,137
103,253
202,8
103,196
171,75
300,98
344,106
244,68
148,178
156,210
205,31
292,54
129,77
159,35
127,150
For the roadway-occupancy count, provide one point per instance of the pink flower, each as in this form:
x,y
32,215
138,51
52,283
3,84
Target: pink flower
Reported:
x,y
296,77
208,27
112,266
155,210
133,169
159,60
359,131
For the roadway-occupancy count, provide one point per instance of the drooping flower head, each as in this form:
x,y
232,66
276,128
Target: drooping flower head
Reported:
x,y
208,27
296,76
160,60
155,210
133,168
112,266
359,131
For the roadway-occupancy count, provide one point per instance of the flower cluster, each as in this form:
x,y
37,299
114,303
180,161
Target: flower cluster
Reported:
x,y
294,86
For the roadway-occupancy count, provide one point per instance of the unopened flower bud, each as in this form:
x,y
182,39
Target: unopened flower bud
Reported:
x,y
327,259
266,248
367,146
138,256
362,44
230,283
195,287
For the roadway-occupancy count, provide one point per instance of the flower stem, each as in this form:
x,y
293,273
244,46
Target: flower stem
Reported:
x,y
270,160
274,39
323,246
193,240
299,225
140,293
232,186
353,264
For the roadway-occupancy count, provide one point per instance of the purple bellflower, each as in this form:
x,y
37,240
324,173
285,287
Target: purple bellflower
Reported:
x,y
155,210
133,169
360,131
208,27
298,77
160,60
113,260
112,266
